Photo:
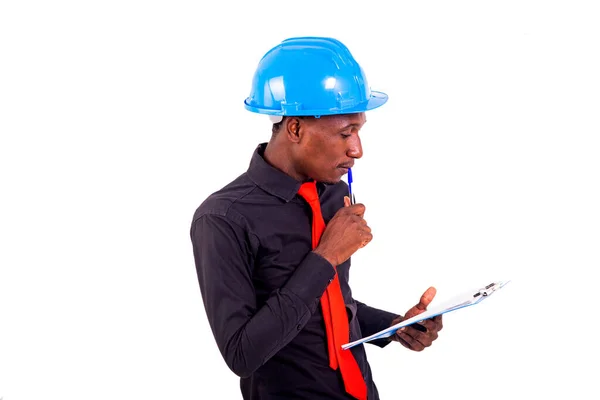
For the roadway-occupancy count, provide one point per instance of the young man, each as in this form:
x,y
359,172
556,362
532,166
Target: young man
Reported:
x,y
273,247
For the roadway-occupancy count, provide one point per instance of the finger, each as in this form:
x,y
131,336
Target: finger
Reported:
x,y
438,322
366,237
365,226
364,222
426,298
429,325
419,338
420,326
408,338
346,201
404,343
415,310
358,209
424,301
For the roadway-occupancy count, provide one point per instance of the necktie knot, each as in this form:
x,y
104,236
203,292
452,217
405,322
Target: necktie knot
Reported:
x,y
308,191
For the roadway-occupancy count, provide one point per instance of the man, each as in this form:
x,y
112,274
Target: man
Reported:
x,y
273,247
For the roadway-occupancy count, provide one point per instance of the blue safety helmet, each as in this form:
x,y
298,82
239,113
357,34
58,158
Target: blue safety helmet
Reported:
x,y
310,76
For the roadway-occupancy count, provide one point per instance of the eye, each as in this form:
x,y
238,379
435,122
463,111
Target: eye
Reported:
x,y
346,135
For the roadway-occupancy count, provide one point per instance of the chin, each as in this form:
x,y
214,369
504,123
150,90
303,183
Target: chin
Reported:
x,y
331,180
330,177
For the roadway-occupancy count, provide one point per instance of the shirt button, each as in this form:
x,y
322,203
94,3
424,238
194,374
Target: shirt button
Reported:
x,y
299,327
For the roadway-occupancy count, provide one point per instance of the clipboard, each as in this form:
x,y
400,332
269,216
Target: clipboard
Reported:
x,y
466,299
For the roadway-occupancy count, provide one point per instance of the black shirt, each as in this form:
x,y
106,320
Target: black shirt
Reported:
x,y
261,286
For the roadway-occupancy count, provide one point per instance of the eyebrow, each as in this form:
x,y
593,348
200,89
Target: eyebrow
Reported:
x,y
351,125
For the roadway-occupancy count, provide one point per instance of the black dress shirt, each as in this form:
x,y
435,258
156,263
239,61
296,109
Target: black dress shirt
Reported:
x,y
261,285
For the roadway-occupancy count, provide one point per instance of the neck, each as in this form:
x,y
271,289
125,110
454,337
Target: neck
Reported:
x,y
279,157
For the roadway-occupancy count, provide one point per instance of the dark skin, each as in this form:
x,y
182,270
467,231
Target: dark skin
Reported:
x,y
323,149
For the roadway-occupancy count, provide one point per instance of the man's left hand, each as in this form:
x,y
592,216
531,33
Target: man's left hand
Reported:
x,y
420,335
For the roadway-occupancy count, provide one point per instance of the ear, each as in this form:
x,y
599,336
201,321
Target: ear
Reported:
x,y
293,129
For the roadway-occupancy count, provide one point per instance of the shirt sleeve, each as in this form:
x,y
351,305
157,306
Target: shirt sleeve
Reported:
x,y
248,335
372,320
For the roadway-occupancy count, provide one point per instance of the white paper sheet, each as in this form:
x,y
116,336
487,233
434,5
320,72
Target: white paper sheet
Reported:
x,y
468,298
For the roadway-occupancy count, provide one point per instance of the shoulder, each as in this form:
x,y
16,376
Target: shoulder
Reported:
x,y
220,203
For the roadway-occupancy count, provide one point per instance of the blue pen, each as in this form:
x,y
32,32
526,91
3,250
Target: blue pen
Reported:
x,y
351,195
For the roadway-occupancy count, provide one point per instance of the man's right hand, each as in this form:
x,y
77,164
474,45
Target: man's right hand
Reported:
x,y
345,234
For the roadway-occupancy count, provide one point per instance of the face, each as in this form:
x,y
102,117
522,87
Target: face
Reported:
x,y
327,146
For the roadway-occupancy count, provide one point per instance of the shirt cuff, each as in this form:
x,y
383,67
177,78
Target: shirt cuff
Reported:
x,y
311,278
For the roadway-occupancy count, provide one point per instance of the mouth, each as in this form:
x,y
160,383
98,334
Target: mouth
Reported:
x,y
343,169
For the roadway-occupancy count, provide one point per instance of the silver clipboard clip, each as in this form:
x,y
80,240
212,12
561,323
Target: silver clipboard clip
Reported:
x,y
489,289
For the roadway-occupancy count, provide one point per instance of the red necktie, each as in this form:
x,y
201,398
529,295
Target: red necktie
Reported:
x,y
334,309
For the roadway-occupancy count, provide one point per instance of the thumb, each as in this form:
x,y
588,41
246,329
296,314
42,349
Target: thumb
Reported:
x,y
346,201
424,301
426,298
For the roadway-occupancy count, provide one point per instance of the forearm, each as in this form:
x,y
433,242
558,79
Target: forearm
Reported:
x,y
247,340
248,334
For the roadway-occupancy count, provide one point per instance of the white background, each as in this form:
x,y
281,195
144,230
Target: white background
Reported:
x,y
117,118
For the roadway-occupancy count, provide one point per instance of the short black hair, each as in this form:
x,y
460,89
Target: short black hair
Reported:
x,y
276,127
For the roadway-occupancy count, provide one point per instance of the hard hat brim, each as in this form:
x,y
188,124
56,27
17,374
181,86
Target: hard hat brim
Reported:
x,y
376,100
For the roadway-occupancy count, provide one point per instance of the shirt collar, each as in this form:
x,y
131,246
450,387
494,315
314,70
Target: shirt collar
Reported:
x,y
269,178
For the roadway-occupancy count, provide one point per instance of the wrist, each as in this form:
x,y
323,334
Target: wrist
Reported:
x,y
397,320
327,256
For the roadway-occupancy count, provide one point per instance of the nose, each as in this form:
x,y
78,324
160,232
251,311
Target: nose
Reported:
x,y
354,147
